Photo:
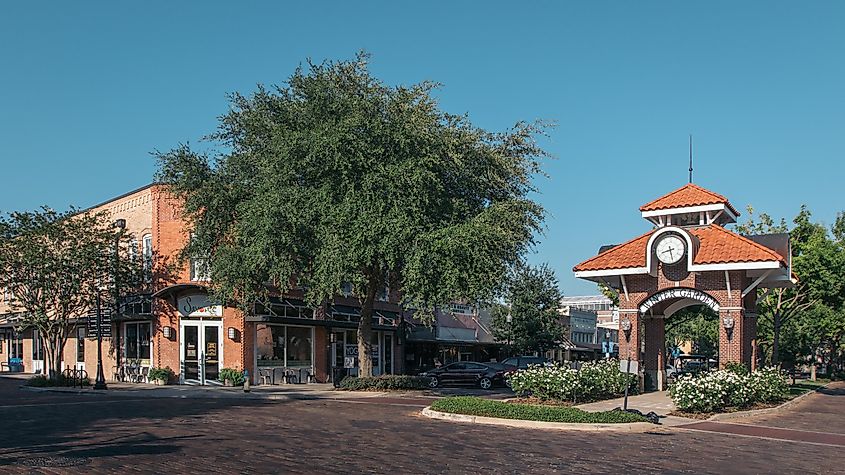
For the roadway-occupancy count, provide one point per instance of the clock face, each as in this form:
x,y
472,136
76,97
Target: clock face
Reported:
x,y
670,249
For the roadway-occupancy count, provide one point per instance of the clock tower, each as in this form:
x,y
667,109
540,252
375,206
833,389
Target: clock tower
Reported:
x,y
689,258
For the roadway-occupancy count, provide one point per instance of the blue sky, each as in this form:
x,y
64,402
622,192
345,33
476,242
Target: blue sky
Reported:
x,y
88,90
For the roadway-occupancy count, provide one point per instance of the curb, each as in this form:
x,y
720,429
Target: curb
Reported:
x,y
756,412
621,427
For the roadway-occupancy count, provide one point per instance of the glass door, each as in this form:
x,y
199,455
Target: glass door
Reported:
x,y
191,352
211,348
201,351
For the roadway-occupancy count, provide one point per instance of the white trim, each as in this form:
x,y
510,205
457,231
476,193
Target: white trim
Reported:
x,y
613,272
728,282
684,293
625,288
737,266
756,283
686,209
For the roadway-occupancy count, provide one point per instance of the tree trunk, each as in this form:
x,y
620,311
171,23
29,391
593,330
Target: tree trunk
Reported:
x,y
775,339
365,332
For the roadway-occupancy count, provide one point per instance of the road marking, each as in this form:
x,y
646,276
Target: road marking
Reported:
x,y
780,434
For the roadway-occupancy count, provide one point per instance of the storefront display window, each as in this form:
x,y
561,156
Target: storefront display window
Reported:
x,y
137,341
284,345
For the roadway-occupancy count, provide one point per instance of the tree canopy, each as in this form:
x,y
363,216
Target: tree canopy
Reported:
x,y
55,264
532,299
335,177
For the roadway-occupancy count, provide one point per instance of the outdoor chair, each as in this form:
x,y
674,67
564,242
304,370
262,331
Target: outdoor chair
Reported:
x,y
291,376
309,376
145,373
267,376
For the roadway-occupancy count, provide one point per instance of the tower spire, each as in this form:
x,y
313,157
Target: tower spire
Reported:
x,y
690,158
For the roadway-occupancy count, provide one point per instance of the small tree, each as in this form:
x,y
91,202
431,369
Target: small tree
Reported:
x,y
55,264
338,178
532,298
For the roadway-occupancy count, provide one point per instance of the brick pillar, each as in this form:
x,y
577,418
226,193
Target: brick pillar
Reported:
x,y
737,348
655,342
634,339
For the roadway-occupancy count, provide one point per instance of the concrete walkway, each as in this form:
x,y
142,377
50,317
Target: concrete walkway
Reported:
x,y
656,401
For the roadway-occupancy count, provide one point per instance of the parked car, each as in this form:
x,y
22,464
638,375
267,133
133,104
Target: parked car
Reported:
x,y
523,362
483,375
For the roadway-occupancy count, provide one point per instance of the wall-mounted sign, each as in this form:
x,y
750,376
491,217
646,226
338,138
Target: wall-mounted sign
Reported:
x,y
352,350
349,362
198,305
679,293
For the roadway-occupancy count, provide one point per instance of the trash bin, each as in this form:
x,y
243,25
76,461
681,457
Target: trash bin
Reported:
x,y
337,375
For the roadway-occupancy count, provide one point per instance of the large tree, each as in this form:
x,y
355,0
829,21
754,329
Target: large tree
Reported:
x,y
335,177
532,299
55,264
813,310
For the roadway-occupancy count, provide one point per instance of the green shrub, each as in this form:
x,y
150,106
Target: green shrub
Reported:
x,y
737,367
716,391
164,375
476,406
594,381
387,382
234,375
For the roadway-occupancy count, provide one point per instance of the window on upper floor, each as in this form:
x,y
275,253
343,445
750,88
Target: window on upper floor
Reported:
x,y
147,253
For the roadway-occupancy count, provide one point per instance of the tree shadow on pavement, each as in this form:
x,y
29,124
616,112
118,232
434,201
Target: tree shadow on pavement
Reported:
x,y
42,428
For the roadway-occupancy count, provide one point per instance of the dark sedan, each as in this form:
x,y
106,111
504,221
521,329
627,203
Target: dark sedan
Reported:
x,y
483,375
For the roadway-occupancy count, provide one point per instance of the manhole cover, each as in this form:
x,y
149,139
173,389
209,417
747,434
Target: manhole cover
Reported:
x,y
56,461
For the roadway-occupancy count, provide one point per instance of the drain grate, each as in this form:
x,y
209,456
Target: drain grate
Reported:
x,y
56,461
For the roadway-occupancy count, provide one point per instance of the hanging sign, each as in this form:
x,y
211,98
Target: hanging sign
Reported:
x,y
105,323
679,293
198,305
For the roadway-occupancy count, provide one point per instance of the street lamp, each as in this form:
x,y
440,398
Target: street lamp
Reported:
x,y
509,319
100,381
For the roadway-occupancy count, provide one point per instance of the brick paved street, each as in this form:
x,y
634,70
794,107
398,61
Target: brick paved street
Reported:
x,y
107,434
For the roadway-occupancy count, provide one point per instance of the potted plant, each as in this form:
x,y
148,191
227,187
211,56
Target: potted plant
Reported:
x,y
161,376
232,377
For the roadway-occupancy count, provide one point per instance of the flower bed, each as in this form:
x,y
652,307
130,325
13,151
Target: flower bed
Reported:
x,y
723,390
384,383
475,406
595,381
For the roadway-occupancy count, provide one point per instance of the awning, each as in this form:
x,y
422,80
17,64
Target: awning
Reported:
x,y
177,288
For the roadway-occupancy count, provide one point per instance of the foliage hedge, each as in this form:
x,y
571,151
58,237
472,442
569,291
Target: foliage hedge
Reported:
x,y
386,382
234,375
161,374
594,381
476,406
715,391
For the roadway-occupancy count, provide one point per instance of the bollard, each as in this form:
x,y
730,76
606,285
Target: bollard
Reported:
x,y
246,381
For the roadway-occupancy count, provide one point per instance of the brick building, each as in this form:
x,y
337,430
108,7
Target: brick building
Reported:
x,y
173,323
688,259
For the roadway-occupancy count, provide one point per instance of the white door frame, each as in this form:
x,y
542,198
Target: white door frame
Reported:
x,y
201,325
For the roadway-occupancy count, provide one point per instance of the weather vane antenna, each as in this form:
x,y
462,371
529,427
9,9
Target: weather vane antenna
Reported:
x,y
690,158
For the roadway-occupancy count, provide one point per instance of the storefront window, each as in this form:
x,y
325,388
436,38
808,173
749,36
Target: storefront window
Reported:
x,y
298,346
137,341
80,344
37,347
280,345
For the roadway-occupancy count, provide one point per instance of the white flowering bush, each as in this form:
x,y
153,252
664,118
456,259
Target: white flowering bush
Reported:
x,y
595,380
716,390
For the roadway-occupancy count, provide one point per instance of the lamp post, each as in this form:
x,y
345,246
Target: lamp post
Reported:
x,y
626,327
509,319
100,381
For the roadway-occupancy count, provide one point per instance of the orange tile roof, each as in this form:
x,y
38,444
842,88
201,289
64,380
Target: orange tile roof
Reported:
x,y
717,246
720,246
629,254
687,195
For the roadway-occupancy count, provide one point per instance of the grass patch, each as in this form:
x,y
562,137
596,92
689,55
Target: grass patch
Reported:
x,y
475,406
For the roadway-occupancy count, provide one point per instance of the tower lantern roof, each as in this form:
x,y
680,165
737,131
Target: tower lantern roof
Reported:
x,y
690,205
